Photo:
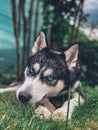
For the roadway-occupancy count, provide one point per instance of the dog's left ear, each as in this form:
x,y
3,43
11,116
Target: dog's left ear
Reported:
x,y
71,56
40,43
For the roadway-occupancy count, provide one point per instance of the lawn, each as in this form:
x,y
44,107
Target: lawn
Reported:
x,y
16,116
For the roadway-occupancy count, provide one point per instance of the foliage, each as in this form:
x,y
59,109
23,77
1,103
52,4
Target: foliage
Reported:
x,y
89,59
57,16
16,116
7,74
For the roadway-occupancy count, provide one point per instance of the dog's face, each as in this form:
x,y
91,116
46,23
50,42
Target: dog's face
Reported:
x,y
47,72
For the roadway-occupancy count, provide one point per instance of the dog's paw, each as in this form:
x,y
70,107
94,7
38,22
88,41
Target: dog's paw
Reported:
x,y
59,114
43,112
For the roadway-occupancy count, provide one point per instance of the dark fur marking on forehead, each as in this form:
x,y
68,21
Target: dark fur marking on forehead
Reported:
x,y
44,56
48,58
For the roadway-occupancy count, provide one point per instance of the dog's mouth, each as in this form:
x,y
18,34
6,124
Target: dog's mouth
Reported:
x,y
41,101
46,102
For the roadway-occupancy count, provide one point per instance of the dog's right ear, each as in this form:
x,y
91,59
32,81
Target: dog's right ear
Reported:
x,y
40,43
71,55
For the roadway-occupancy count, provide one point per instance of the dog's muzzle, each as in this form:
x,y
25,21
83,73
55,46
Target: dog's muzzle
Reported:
x,y
24,97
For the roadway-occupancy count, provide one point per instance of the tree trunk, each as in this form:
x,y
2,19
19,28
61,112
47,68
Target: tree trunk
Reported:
x,y
19,14
73,28
77,18
25,29
80,18
36,18
16,33
30,26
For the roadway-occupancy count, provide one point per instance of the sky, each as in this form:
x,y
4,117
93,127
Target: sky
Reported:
x,y
91,8
90,5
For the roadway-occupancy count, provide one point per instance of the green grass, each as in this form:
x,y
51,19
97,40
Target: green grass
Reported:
x,y
16,116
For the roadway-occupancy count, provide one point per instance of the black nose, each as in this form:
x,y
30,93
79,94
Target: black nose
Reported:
x,y
24,97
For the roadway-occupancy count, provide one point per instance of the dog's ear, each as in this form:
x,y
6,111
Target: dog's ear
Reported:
x,y
40,43
71,56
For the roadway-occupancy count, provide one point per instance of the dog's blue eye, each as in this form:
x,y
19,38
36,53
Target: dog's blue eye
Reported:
x,y
50,78
31,70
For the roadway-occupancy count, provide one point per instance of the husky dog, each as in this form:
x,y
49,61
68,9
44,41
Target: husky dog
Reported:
x,y
50,74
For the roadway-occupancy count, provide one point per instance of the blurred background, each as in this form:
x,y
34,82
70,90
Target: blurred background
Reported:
x,y
63,21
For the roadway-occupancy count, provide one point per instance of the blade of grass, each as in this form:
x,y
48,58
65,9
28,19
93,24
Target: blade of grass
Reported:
x,y
79,91
66,123
2,119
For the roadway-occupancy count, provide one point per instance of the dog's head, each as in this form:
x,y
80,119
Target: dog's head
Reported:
x,y
48,72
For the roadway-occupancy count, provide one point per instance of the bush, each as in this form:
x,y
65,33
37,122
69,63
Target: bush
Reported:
x,y
89,59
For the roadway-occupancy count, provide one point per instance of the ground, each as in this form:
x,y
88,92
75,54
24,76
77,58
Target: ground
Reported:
x,y
16,116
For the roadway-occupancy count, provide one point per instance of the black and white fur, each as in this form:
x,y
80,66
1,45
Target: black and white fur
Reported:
x,y
49,73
